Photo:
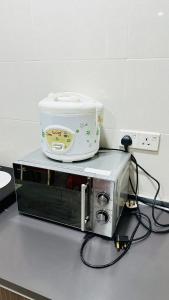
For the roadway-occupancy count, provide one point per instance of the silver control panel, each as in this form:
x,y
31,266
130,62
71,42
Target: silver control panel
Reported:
x,y
109,200
103,206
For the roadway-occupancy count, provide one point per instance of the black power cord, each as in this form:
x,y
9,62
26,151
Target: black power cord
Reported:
x,y
139,215
126,142
154,205
91,236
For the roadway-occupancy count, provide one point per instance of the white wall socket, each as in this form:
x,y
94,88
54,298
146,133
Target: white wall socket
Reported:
x,y
144,140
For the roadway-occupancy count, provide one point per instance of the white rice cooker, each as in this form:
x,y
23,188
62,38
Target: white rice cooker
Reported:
x,y
70,126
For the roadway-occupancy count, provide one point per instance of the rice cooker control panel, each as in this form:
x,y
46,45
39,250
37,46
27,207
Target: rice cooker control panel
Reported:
x,y
59,139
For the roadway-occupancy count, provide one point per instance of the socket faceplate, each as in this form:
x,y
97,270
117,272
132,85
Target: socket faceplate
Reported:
x,y
144,140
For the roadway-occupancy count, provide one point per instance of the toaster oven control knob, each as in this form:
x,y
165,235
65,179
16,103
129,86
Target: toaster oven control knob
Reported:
x,y
102,216
103,198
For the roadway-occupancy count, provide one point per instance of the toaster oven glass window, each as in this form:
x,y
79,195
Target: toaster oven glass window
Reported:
x,y
49,195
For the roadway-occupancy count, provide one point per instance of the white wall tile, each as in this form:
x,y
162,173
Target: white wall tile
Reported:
x,y
79,29
109,138
17,91
146,105
148,28
17,139
22,86
117,27
16,35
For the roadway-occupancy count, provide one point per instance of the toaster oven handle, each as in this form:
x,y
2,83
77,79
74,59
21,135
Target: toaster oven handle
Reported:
x,y
83,206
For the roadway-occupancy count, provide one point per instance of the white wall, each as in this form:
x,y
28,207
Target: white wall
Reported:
x,y
114,50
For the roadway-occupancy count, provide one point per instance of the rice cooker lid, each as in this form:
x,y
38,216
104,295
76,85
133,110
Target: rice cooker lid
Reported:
x,y
67,103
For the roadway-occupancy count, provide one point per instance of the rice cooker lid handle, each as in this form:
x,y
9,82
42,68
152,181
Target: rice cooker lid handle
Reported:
x,y
67,98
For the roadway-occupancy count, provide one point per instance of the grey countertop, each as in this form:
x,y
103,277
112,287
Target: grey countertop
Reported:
x,y
44,258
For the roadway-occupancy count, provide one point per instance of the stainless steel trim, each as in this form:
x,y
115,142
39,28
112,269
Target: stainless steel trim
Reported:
x,y
21,175
48,183
83,206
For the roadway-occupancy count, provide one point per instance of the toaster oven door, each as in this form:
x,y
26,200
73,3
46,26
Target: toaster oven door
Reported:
x,y
55,196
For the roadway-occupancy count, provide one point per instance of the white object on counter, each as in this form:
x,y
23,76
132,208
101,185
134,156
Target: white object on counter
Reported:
x,y
5,178
70,126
